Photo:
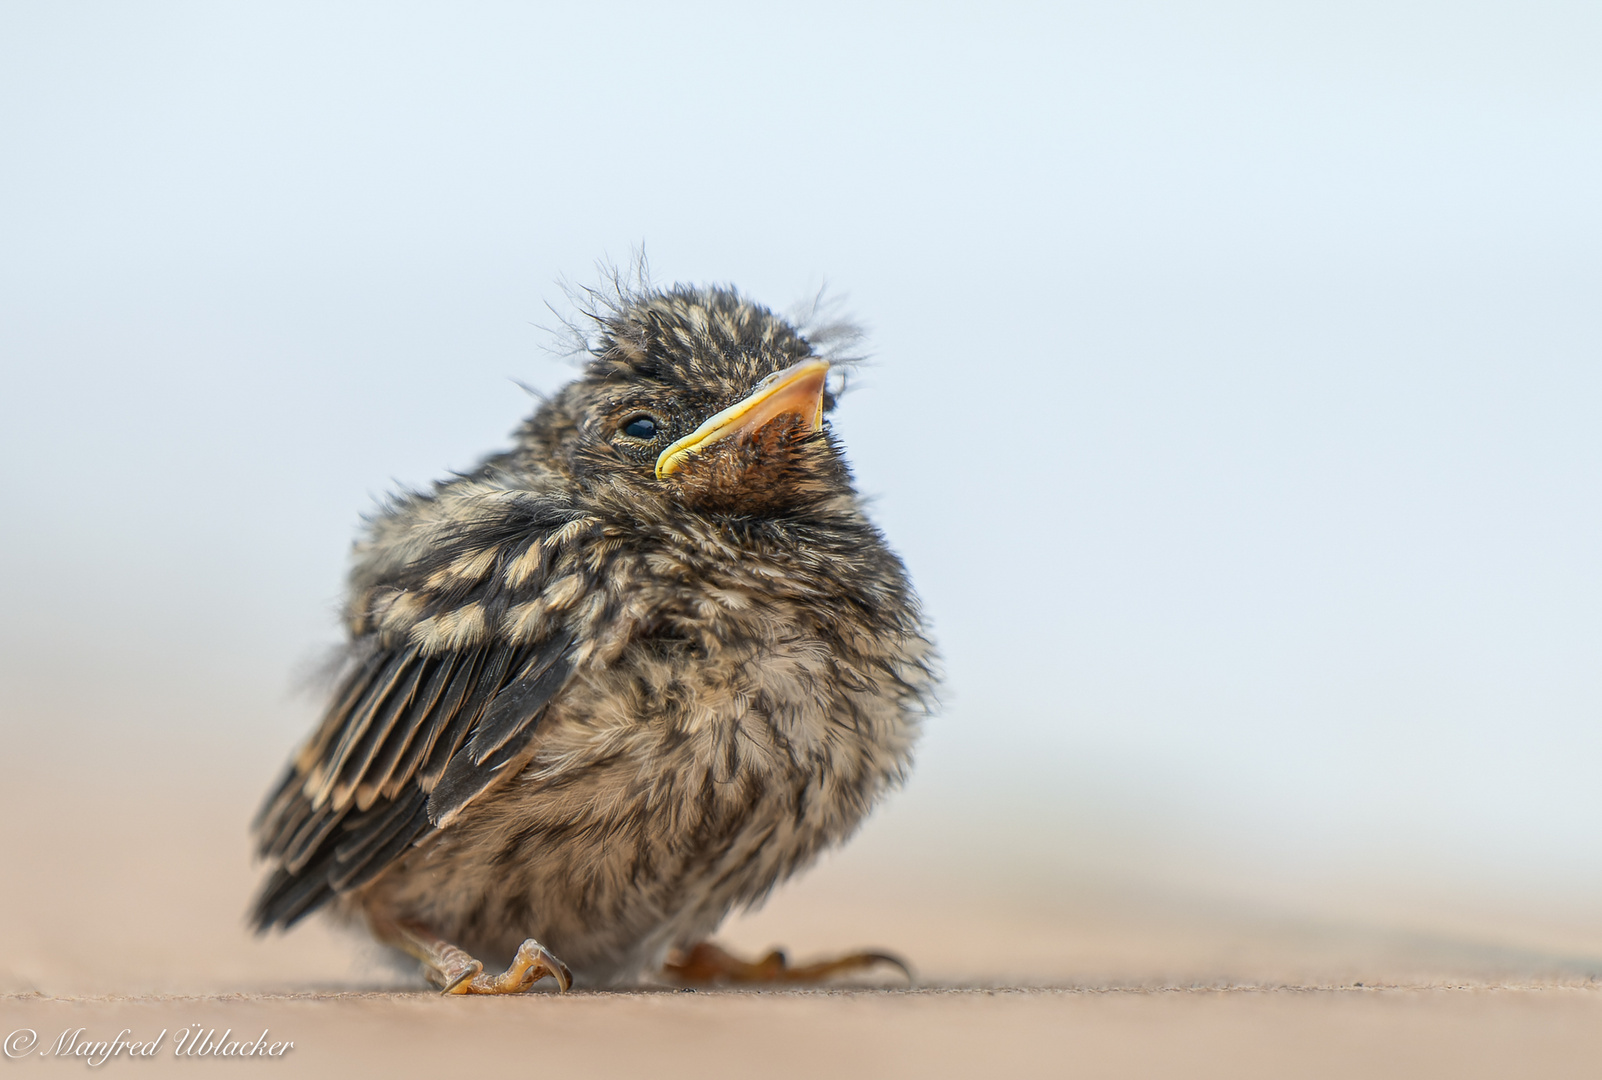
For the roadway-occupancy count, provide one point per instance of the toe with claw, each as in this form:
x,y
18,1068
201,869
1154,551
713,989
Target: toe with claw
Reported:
x,y
706,964
531,964
456,972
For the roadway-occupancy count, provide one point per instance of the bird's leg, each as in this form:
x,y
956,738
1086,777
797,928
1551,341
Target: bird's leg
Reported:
x,y
456,972
706,964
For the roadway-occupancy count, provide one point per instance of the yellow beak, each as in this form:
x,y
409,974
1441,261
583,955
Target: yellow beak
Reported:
x,y
797,390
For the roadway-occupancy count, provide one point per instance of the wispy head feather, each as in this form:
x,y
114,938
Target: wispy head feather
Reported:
x,y
617,320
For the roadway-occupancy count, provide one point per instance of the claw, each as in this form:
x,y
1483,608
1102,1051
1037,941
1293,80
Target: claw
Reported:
x,y
457,979
532,963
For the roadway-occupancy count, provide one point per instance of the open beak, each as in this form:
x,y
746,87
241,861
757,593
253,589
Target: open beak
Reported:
x,y
795,391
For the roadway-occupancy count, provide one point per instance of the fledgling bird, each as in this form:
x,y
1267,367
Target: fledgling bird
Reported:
x,y
617,681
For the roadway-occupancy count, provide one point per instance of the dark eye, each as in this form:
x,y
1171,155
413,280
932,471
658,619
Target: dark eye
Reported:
x,y
641,427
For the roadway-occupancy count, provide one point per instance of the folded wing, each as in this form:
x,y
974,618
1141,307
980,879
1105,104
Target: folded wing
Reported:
x,y
408,742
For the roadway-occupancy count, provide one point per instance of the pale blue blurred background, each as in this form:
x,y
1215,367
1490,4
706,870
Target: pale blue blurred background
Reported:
x,y
1234,397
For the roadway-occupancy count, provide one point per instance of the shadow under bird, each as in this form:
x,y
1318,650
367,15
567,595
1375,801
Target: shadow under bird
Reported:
x,y
620,679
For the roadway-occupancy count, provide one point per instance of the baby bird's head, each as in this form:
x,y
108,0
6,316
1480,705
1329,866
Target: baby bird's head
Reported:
x,y
700,398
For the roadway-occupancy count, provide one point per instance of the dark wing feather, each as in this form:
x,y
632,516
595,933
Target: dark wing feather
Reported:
x,y
407,743
454,729
505,729
387,762
354,768
541,677
354,724
375,845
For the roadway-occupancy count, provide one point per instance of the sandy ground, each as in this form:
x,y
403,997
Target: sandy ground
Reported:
x,y
122,909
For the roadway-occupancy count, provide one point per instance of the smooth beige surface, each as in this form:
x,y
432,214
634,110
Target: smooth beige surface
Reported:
x,y
1551,1032
123,908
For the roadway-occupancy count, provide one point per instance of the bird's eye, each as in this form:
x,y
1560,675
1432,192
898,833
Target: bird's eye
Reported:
x,y
641,427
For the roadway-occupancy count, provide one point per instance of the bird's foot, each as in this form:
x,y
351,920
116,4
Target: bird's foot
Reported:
x,y
465,975
455,971
706,964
